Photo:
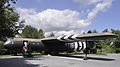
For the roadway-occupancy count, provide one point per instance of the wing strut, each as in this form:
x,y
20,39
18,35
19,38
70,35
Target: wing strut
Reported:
x,y
85,51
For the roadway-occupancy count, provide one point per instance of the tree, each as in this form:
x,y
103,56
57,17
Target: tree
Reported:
x,y
6,3
89,31
41,33
31,32
94,31
112,45
51,35
9,20
106,30
116,41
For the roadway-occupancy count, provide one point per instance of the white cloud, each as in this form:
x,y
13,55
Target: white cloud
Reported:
x,y
87,2
102,6
54,20
24,11
63,21
58,33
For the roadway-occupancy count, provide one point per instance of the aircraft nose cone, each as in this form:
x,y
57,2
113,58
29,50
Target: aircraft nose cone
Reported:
x,y
6,44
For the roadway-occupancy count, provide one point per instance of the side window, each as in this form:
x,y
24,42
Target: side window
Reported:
x,y
25,43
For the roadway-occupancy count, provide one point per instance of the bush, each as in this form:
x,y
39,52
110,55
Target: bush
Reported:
x,y
117,50
109,49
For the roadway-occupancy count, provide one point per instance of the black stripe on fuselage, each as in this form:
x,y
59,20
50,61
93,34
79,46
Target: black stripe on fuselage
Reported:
x,y
63,38
70,37
78,45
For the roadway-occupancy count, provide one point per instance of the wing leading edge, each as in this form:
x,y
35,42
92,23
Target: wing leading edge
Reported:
x,y
81,37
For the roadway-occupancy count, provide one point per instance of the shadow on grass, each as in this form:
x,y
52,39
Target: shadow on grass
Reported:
x,y
92,58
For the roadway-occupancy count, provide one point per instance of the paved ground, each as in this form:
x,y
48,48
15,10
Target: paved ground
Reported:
x,y
112,60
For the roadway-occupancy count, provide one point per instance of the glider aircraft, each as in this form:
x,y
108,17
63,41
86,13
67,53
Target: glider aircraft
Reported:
x,y
55,45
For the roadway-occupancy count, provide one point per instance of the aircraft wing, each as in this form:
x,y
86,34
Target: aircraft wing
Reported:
x,y
80,37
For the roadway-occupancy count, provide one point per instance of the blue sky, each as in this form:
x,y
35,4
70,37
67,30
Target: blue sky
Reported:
x,y
109,19
70,15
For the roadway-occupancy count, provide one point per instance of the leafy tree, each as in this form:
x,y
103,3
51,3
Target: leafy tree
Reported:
x,y
5,4
9,20
31,32
109,45
116,41
94,31
89,31
112,48
106,30
104,45
51,35
41,33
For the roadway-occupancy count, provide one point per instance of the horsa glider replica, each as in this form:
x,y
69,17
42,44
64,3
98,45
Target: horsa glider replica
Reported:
x,y
54,45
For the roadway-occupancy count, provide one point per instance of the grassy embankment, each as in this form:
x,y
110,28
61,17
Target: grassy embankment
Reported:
x,y
5,56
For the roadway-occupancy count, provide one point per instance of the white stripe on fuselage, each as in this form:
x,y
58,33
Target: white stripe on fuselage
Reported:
x,y
74,37
84,43
59,38
76,46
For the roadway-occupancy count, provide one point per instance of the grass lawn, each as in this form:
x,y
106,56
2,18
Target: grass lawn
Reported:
x,y
36,54
19,54
5,56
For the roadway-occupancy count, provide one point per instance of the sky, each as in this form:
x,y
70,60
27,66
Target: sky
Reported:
x,y
70,16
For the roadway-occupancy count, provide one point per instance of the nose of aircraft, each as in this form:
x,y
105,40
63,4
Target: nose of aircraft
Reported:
x,y
7,43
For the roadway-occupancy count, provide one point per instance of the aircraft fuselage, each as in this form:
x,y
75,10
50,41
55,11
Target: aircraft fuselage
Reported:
x,y
39,45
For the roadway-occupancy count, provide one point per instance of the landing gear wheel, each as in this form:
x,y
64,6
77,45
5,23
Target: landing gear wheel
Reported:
x,y
86,52
27,54
85,58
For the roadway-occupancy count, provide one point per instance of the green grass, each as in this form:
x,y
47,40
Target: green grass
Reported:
x,y
19,54
36,53
5,56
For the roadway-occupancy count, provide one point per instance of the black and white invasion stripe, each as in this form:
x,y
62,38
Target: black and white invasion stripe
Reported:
x,y
80,45
76,46
68,38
